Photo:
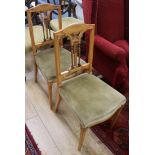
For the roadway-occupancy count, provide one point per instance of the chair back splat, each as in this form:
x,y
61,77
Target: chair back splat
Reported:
x,y
74,33
44,12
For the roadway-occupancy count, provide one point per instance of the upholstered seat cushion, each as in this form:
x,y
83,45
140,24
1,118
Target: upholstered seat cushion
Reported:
x,y
45,60
66,21
38,36
92,100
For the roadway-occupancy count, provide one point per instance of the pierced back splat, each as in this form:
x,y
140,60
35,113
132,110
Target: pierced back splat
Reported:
x,y
75,42
45,13
74,33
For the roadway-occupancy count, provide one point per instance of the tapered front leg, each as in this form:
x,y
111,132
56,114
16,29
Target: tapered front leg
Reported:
x,y
82,136
58,99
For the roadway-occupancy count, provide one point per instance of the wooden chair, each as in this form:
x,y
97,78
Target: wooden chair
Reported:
x,y
66,21
42,36
66,6
92,100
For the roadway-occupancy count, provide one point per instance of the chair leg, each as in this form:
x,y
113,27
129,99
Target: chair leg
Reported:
x,y
36,72
74,10
50,94
115,117
58,99
82,136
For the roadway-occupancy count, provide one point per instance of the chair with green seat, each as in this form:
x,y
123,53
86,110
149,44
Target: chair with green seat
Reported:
x,y
66,6
92,100
41,42
66,21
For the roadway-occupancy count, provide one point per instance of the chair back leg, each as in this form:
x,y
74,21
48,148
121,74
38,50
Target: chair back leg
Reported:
x,y
35,72
50,94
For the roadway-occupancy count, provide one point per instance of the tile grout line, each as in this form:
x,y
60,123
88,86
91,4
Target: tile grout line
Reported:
x,y
47,129
31,117
50,135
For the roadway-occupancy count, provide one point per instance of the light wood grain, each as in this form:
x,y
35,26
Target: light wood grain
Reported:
x,y
43,8
42,137
29,109
82,136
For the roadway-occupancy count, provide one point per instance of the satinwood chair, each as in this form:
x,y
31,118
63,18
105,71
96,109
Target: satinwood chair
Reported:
x,y
66,6
42,37
91,99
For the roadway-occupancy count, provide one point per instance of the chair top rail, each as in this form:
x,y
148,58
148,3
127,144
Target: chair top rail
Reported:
x,y
44,13
74,28
43,8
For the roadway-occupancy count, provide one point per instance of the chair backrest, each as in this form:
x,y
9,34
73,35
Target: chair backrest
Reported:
x,y
44,11
74,33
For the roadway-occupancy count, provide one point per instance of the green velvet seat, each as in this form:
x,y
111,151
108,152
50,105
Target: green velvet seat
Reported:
x,y
66,21
38,36
92,100
46,61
